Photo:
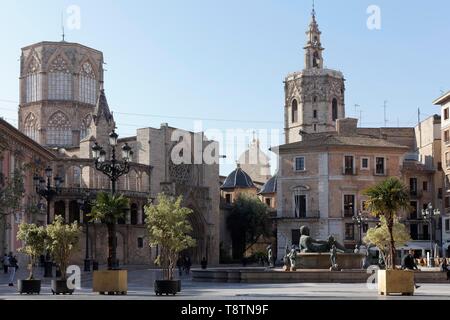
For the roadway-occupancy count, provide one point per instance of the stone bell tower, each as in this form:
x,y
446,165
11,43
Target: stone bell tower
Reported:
x,y
314,97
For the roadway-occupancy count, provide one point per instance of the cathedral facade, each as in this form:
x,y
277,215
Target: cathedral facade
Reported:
x,y
63,107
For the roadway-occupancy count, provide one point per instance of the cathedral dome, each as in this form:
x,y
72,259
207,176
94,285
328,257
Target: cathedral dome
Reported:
x,y
238,179
270,186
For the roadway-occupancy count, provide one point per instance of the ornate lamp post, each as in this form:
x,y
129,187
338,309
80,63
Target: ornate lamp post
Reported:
x,y
360,220
113,169
428,214
84,203
46,191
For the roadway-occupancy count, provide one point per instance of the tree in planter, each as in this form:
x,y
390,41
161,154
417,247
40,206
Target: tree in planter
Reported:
x,y
108,209
248,221
169,229
12,191
379,236
34,239
62,240
386,199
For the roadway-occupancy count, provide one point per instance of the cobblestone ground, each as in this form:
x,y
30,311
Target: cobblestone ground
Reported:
x,y
140,287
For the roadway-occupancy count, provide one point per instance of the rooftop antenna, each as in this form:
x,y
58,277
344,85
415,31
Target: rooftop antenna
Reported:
x,y
385,119
313,8
356,109
62,27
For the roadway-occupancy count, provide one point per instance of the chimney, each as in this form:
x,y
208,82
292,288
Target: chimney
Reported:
x,y
346,126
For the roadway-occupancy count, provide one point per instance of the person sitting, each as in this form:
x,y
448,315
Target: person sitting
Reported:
x,y
409,263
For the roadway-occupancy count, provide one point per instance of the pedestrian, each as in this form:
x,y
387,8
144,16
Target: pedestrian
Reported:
x,y
445,268
13,266
5,261
409,263
204,263
180,265
187,264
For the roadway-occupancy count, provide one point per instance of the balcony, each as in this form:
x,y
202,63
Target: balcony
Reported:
x,y
348,213
349,171
416,193
77,192
420,237
309,215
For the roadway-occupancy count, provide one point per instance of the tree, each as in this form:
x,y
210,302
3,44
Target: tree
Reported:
x,y
11,194
247,222
379,236
386,199
34,239
62,240
108,209
169,229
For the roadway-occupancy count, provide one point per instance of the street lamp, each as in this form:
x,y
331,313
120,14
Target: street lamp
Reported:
x,y
360,220
113,169
84,204
428,214
46,191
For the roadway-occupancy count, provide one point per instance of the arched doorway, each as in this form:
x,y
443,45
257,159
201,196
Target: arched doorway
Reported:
x,y
60,209
199,235
74,211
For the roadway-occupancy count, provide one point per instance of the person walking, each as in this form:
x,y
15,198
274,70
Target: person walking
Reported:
x,y
187,264
5,261
180,265
409,263
445,268
13,266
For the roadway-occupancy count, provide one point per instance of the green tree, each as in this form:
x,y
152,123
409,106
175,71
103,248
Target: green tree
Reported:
x,y
379,236
169,229
386,199
11,194
62,240
34,240
108,209
247,222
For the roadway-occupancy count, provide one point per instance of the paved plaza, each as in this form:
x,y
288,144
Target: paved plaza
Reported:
x,y
140,287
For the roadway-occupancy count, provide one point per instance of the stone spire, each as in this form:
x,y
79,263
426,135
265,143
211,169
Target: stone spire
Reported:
x,y
313,48
102,109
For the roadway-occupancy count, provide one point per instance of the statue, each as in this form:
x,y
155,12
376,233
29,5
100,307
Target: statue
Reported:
x,y
293,258
270,256
310,245
286,260
333,258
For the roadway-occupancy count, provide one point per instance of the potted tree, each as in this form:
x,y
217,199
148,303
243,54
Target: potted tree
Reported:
x,y
385,200
62,240
33,239
169,229
109,208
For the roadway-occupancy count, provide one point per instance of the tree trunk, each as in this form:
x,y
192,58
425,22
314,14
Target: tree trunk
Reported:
x,y
390,225
111,246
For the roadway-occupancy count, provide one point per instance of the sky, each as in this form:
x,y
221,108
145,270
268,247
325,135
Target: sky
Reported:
x,y
220,64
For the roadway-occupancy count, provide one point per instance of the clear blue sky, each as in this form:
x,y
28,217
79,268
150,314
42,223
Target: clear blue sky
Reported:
x,y
217,59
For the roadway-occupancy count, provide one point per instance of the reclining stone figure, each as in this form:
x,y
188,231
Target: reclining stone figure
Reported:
x,y
310,245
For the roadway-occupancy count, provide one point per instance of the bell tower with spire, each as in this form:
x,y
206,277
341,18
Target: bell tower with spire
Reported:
x,y
314,97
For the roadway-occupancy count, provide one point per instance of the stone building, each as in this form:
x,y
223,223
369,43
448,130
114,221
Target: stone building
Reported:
x,y
444,103
63,107
16,152
255,162
327,161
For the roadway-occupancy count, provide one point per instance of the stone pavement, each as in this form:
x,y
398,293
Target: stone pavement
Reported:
x,y
140,282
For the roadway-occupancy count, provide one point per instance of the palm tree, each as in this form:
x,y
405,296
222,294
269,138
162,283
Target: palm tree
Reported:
x,y
386,199
108,209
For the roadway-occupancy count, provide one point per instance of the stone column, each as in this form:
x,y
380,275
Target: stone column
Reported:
x,y
66,211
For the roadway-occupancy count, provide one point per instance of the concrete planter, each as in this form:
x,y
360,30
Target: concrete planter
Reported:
x,y
29,286
396,281
167,287
60,287
110,282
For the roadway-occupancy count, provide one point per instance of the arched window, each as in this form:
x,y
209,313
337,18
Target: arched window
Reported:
x,y
33,91
88,84
334,109
76,183
316,59
31,126
59,132
85,125
294,115
59,80
134,214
